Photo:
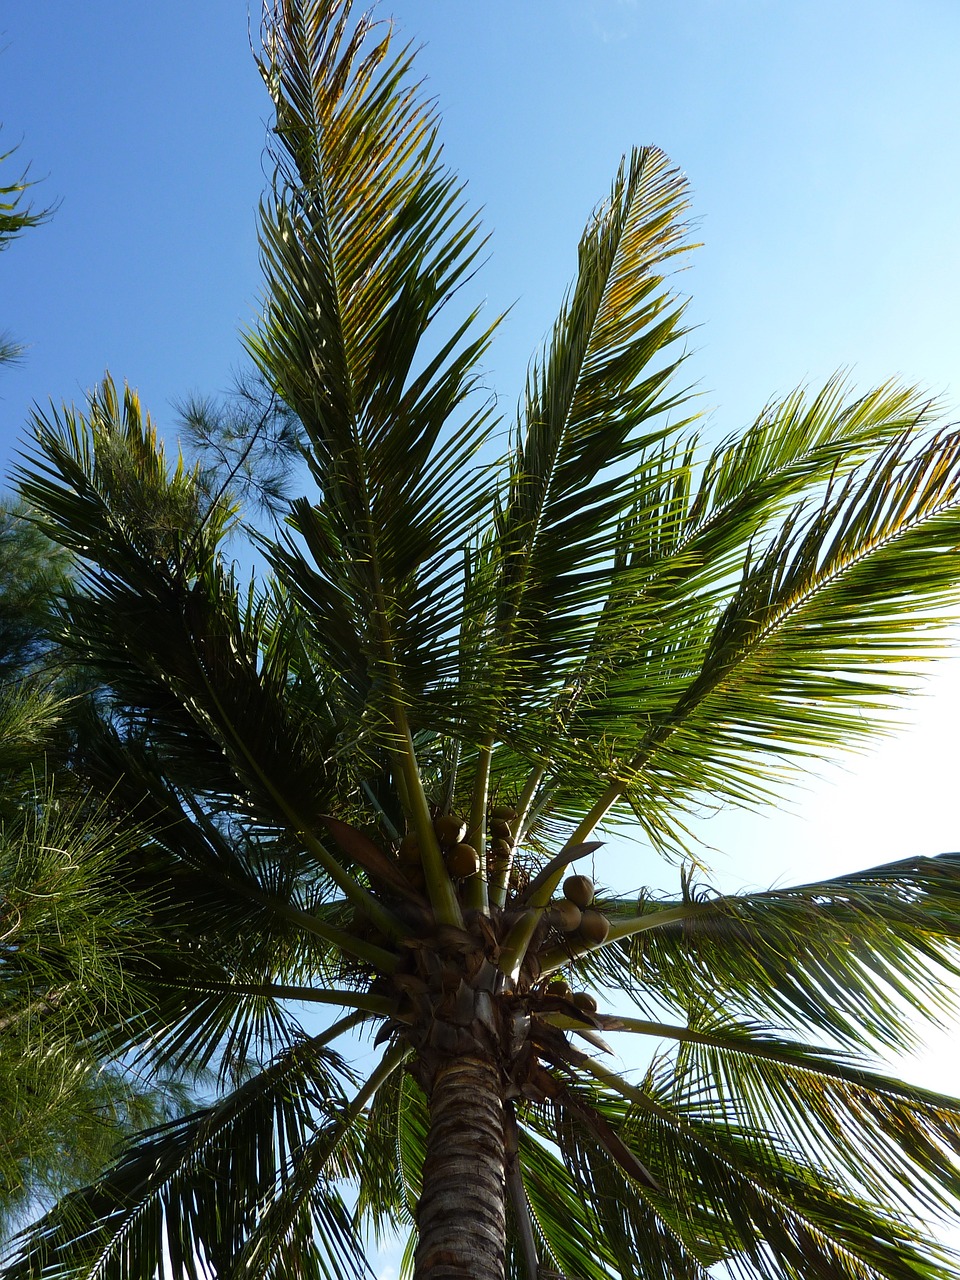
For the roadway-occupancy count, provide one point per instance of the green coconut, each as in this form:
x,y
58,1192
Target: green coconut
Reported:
x,y
578,889
594,927
565,915
449,828
462,861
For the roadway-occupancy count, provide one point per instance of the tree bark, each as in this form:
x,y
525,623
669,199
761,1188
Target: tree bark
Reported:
x,y
462,1215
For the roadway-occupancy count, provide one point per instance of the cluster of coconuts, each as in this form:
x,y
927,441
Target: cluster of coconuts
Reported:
x,y
461,859
574,914
571,914
500,820
582,999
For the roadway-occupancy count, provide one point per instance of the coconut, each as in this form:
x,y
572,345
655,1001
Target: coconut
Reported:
x,y
462,860
578,889
449,828
500,850
594,927
565,915
504,811
409,850
585,1001
559,987
500,828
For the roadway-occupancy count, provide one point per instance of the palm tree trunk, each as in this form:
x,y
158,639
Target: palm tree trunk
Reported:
x,y
462,1216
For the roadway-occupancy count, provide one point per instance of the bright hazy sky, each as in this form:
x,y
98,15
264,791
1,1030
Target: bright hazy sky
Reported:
x,y
821,146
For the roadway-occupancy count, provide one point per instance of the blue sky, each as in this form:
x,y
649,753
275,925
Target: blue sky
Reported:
x,y
820,143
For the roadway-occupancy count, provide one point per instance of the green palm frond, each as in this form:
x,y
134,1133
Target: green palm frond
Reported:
x,y
164,621
836,660
730,1190
695,525
363,246
595,402
842,957
634,1225
395,1141
810,1099
803,647
188,1195
240,921
570,1231
796,443
334,1149
908,1138
16,216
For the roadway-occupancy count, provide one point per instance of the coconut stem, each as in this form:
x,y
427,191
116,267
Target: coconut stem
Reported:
x,y
475,890
501,877
443,897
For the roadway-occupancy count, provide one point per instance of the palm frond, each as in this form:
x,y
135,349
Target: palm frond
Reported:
x,y
239,920
363,246
811,1099
163,620
732,1190
694,526
186,1196
594,403
395,1143
805,647
334,1149
16,214
843,957
907,1138
568,1224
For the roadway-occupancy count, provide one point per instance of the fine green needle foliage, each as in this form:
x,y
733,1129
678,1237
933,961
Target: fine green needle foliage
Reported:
x,y
66,912
16,216
67,923
34,570
304,836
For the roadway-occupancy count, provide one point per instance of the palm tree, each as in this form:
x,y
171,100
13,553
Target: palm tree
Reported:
x,y
359,784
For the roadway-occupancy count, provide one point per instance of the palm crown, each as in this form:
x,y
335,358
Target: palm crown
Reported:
x,y
363,783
